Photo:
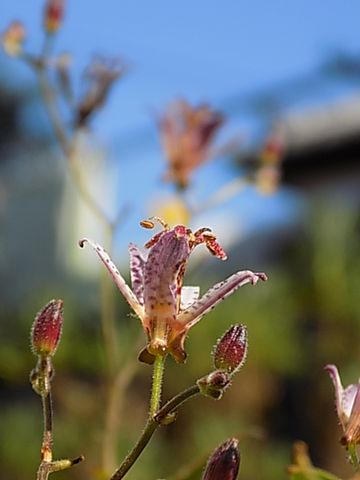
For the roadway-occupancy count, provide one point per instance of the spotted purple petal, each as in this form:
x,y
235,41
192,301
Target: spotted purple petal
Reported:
x,y
137,264
344,399
116,275
216,294
352,431
161,268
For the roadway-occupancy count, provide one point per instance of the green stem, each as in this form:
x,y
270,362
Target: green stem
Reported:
x,y
175,402
46,448
353,458
150,428
158,374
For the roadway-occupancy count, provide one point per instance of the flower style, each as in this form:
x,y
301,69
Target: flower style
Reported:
x,y
166,308
186,134
347,407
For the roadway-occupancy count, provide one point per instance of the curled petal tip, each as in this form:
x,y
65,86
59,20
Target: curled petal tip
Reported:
x,y
82,242
333,372
258,276
329,367
262,276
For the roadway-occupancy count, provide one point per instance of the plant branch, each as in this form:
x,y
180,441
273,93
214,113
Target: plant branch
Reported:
x,y
46,448
150,428
66,143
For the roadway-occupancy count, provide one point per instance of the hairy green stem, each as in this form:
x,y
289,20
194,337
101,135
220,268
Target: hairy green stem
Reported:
x,y
158,374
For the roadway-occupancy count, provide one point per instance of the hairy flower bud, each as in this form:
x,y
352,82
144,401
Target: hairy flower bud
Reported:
x,y
224,463
230,351
214,384
46,329
53,15
13,39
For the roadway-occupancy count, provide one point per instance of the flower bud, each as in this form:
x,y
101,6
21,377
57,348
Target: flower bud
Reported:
x,y
230,351
13,39
224,463
214,384
46,329
53,15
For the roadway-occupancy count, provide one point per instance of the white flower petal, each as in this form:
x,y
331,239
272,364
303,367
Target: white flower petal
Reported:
x,y
189,295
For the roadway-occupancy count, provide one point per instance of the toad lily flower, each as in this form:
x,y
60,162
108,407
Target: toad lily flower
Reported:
x,y
347,406
168,310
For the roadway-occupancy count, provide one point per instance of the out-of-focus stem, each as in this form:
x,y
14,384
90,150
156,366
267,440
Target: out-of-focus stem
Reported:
x,y
150,428
68,146
189,470
222,195
66,143
115,399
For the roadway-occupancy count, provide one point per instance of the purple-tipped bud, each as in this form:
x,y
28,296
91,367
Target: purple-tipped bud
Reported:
x,y
224,463
214,384
230,351
46,329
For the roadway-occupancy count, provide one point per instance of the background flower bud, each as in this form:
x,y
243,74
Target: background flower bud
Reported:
x,y
46,329
53,15
224,463
230,351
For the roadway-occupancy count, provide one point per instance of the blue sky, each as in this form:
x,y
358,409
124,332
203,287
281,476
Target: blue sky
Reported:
x,y
200,50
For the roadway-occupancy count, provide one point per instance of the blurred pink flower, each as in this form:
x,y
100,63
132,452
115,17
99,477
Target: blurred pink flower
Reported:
x,y
53,15
101,76
12,40
166,308
186,134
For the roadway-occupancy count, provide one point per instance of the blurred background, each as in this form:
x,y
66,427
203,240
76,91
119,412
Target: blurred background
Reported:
x,y
282,192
